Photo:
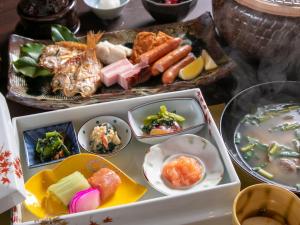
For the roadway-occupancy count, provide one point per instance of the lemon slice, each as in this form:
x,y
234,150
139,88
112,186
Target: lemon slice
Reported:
x,y
209,63
192,70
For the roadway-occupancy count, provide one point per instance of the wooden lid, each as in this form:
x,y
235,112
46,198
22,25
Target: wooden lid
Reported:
x,y
289,8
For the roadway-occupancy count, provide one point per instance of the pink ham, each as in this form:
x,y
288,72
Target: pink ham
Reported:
x,y
109,74
138,74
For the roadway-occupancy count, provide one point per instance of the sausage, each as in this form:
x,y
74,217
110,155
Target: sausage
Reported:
x,y
168,60
171,74
159,51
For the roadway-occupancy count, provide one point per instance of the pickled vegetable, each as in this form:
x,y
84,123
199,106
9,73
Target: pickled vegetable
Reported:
x,y
68,186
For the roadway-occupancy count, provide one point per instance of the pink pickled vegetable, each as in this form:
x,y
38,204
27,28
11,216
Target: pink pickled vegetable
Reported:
x,y
85,200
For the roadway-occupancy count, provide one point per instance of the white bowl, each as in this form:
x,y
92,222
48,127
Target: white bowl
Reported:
x,y
106,14
121,126
187,145
186,107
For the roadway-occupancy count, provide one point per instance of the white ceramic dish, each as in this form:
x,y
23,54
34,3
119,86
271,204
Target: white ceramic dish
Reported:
x,y
106,14
121,126
189,108
188,145
202,206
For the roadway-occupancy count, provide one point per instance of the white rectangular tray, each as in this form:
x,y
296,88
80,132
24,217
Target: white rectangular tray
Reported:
x,y
154,208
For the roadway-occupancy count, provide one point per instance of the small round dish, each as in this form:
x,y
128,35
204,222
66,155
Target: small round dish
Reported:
x,y
184,145
169,12
174,157
121,126
106,14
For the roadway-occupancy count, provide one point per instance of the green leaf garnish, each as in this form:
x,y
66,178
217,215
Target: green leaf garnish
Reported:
x,y
27,64
33,50
29,67
61,33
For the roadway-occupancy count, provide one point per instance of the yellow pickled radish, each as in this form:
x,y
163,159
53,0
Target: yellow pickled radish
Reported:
x,y
192,70
209,63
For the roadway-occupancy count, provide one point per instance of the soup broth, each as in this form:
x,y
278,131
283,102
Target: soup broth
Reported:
x,y
269,142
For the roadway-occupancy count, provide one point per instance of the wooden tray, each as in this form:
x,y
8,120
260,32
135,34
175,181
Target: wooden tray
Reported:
x,y
37,93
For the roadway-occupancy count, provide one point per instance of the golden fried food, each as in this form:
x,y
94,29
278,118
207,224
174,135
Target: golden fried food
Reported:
x,y
72,44
146,41
161,38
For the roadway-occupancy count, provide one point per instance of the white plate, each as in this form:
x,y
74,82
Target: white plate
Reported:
x,y
186,107
121,126
189,145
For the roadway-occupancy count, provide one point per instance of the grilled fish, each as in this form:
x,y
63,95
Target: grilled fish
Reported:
x,y
75,66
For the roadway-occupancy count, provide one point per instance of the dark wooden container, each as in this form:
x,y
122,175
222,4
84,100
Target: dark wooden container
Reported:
x,y
259,28
38,16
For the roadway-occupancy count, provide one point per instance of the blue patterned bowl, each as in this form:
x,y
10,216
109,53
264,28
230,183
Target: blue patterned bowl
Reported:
x,y
31,137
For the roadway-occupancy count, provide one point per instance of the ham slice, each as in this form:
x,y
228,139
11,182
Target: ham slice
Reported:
x,y
109,74
134,76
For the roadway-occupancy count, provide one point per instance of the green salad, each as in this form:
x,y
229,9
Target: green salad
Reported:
x,y
51,147
163,122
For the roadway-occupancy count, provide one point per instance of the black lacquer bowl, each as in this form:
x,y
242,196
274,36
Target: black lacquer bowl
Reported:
x,y
37,17
169,12
247,102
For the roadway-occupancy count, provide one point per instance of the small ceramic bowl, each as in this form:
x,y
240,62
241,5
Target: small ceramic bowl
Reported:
x,y
185,145
106,14
268,201
31,137
36,187
121,126
186,107
169,12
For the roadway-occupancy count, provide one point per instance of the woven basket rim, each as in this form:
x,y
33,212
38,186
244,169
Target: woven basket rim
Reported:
x,y
272,7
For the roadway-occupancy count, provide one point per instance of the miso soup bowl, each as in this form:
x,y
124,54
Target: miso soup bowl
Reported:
x,y
268,201
247,102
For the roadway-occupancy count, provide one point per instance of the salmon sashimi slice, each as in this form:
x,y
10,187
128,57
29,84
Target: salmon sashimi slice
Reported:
x,y
182,172
106,181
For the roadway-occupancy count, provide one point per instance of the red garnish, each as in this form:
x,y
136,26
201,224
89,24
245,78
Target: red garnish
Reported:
x,y
171,1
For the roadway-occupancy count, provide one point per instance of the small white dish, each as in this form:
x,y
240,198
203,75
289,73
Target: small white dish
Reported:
x,y
121,126
174,157
186,145
189,108
106,14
